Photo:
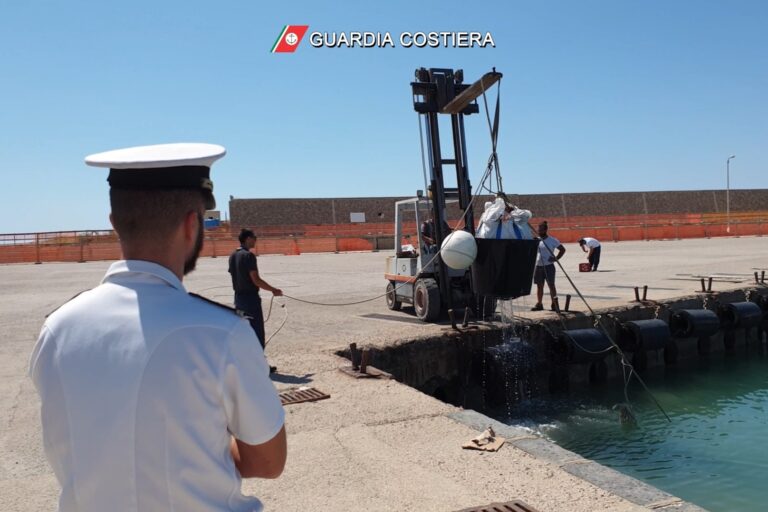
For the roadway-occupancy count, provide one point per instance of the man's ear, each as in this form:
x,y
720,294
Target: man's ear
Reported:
x,y
190,225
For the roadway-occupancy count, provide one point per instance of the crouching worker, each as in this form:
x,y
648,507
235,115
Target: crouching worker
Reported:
x,y
545,267
153,398
591,246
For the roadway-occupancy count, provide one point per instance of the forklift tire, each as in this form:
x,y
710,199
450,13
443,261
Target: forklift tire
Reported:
x,y
426,300
392,302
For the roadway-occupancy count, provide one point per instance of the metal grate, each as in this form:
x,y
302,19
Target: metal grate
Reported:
x,y
297,396
509,506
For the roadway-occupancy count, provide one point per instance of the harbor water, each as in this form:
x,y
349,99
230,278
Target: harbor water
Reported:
x,y
712,451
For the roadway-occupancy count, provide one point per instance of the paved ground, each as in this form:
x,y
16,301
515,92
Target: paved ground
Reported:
x,y
375,445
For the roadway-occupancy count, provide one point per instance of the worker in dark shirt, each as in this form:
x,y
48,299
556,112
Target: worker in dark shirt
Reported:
x,y
247,283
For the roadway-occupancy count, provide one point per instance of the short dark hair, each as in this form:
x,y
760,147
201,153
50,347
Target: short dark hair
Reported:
x,y
151,215
582,241
245,234
544,225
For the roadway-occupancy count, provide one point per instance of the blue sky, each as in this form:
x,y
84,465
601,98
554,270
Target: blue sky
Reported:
x,y
597,95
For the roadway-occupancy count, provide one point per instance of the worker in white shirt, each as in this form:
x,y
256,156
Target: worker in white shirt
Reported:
x,y
154,398
592,247
545,267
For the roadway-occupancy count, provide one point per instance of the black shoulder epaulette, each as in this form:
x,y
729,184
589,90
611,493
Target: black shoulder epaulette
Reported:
x,y
68,300
209,301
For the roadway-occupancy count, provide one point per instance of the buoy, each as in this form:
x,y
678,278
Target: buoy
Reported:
x,y
459,250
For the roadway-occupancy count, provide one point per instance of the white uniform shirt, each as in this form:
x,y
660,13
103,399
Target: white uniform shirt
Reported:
x,y
592,243
141,385
544,255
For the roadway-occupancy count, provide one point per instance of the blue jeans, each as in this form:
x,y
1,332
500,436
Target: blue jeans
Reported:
x,y
250,306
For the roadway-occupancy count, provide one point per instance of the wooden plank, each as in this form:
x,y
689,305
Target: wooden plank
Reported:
x,y
460,102
370,373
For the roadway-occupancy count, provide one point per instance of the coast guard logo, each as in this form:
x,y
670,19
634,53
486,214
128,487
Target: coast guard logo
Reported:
x,y
289,38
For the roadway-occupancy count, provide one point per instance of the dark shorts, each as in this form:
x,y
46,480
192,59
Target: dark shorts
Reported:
x,y
249,305
594,259
542,273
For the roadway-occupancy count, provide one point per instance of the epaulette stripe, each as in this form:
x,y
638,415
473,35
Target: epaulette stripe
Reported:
x,y
206,299
68,300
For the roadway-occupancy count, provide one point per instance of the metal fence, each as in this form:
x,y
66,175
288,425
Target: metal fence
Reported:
x,y
93,245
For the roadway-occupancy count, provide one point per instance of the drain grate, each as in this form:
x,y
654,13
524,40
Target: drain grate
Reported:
x,y
297,396
510,506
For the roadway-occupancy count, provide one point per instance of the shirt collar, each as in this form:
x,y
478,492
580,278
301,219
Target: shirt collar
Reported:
x,y
143,267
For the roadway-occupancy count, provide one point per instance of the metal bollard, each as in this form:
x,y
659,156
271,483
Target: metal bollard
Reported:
x,y
354,355
365,359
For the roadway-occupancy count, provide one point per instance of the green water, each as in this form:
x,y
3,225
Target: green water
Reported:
x,y
712,453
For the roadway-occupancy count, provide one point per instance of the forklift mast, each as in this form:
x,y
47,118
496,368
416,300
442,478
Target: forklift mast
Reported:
x,y
442,91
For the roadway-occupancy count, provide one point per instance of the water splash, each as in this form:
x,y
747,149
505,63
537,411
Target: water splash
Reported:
x,y
510,366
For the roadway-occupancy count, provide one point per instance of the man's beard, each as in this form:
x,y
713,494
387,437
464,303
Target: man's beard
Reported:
x,y
189,265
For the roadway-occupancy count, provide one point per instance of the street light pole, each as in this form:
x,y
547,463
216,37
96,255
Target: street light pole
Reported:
x,y
728,193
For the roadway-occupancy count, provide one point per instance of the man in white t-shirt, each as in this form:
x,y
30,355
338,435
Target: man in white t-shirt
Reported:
x,y
153,398
545,267
592,247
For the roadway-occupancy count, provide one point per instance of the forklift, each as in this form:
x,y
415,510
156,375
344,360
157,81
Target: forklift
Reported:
x,y
416,273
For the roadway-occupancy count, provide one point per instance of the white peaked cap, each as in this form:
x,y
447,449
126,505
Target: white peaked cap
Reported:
x,y
158,156
161,166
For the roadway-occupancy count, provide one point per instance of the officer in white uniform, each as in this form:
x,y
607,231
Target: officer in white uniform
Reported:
x,y
152,398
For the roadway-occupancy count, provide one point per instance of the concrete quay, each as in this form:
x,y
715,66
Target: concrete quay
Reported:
x,y
375,444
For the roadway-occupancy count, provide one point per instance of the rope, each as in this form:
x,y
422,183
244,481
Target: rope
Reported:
x,y
599,324
285,319
337,304
269,312
627,369
493,128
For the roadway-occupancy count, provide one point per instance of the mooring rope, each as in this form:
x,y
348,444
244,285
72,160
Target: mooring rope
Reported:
x,y
285,319
599,324
493,129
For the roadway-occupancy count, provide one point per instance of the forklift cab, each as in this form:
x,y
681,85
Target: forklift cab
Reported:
x,y
412,269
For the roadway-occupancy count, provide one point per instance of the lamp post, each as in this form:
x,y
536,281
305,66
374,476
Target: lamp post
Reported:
x,y
728,193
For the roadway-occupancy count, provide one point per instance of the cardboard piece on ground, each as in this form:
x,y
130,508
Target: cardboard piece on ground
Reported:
x,y
488,441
